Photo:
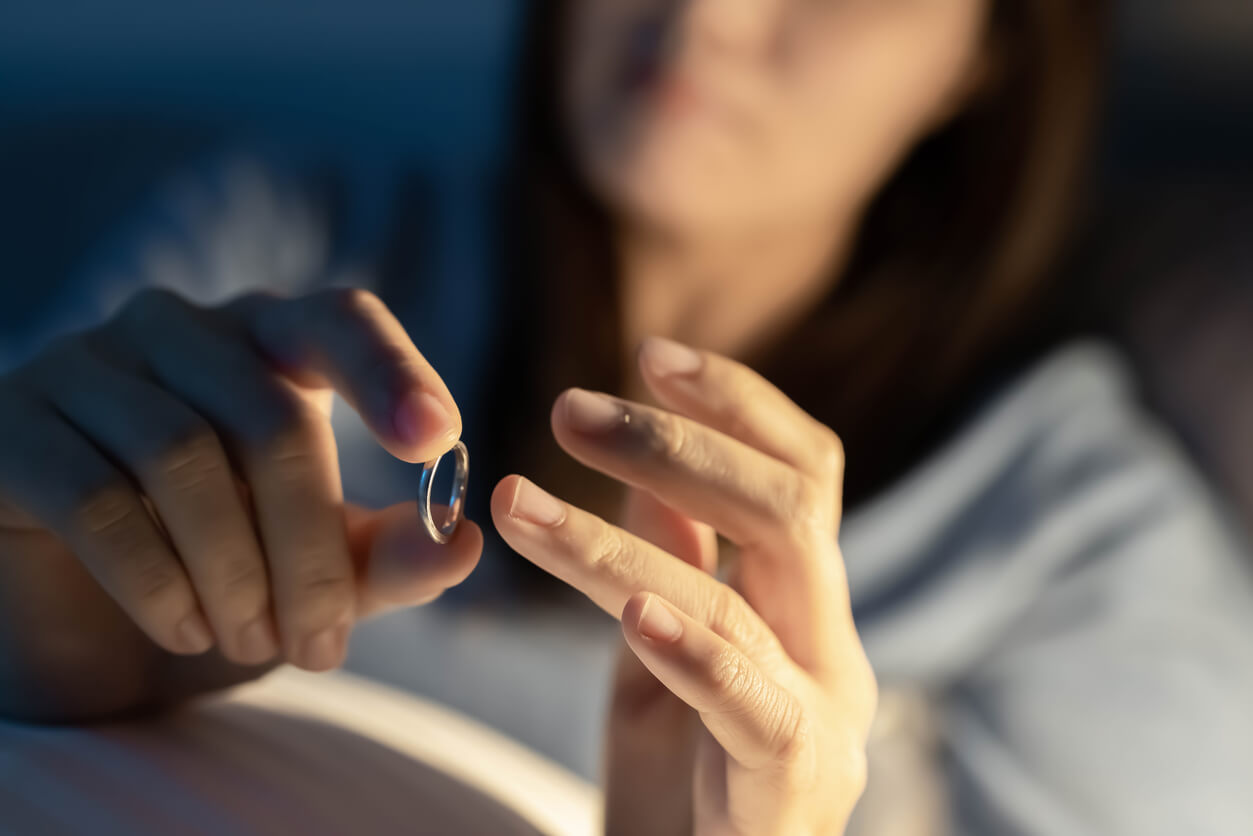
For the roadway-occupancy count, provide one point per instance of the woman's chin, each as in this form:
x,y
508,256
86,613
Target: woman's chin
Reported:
x,y
672,201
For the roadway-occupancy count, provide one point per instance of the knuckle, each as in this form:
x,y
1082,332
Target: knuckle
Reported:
x,y
809,499
151,578
806,509
726,617
724,611
830,453
793,744
322,585
186,459
242,574
111,517
732,680
664,437
285,430
105,510
294,448
610,555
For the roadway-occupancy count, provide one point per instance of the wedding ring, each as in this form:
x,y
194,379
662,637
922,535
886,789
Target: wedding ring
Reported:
x,y
442,533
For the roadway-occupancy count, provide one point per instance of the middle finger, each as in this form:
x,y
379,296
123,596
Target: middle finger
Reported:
x,y
753,499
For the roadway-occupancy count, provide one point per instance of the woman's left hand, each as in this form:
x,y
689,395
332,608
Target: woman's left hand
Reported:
x,y
770,662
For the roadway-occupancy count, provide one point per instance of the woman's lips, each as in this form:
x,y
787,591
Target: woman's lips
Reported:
x,y
669,91
674,85
678,96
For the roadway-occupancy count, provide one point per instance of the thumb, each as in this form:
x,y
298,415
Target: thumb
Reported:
x,y
398,565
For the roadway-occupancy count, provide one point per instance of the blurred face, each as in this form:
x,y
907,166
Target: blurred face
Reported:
x,y
723,115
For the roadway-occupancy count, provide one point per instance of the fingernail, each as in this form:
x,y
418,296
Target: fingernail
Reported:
x,y
666,357
257,642
535,505
658,623
194,635
590,412
325,650
423,417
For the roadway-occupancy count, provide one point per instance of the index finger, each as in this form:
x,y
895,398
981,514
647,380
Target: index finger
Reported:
x,y
347,339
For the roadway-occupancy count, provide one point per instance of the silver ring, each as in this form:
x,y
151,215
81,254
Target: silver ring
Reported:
x,y
443,533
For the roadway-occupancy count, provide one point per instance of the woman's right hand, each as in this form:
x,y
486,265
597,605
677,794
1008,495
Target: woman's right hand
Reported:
x,y
184,457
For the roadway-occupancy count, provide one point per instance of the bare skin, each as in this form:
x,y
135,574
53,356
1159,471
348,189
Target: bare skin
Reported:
x,y
171,514
744,706
738,144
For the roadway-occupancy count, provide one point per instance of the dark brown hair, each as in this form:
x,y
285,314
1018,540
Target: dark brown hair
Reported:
x,y
947,275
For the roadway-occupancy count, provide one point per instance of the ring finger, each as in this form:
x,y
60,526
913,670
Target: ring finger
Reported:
x,y
179,462
610,565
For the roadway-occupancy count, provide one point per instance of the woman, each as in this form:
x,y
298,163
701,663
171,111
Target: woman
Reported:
x,y
861,201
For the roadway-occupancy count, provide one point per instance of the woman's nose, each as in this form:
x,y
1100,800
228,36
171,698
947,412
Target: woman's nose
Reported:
x,y
724,25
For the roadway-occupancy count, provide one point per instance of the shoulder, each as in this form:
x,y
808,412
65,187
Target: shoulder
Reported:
x,y
1063,484
1072,420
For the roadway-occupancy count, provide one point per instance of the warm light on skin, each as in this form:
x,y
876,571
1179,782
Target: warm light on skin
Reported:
x,y
729,114
739,140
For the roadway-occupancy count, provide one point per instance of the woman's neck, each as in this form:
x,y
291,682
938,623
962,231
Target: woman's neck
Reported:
x,y
728,294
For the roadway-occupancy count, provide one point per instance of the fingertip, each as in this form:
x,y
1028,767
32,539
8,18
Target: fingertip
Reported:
x,y
659,621
653,618
324,650
192,635
634,607
407,545
557,419
255,643
407,568
642,355
425,427
503,495
663,358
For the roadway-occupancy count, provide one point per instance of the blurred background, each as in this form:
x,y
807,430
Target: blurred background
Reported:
x,y
99,103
